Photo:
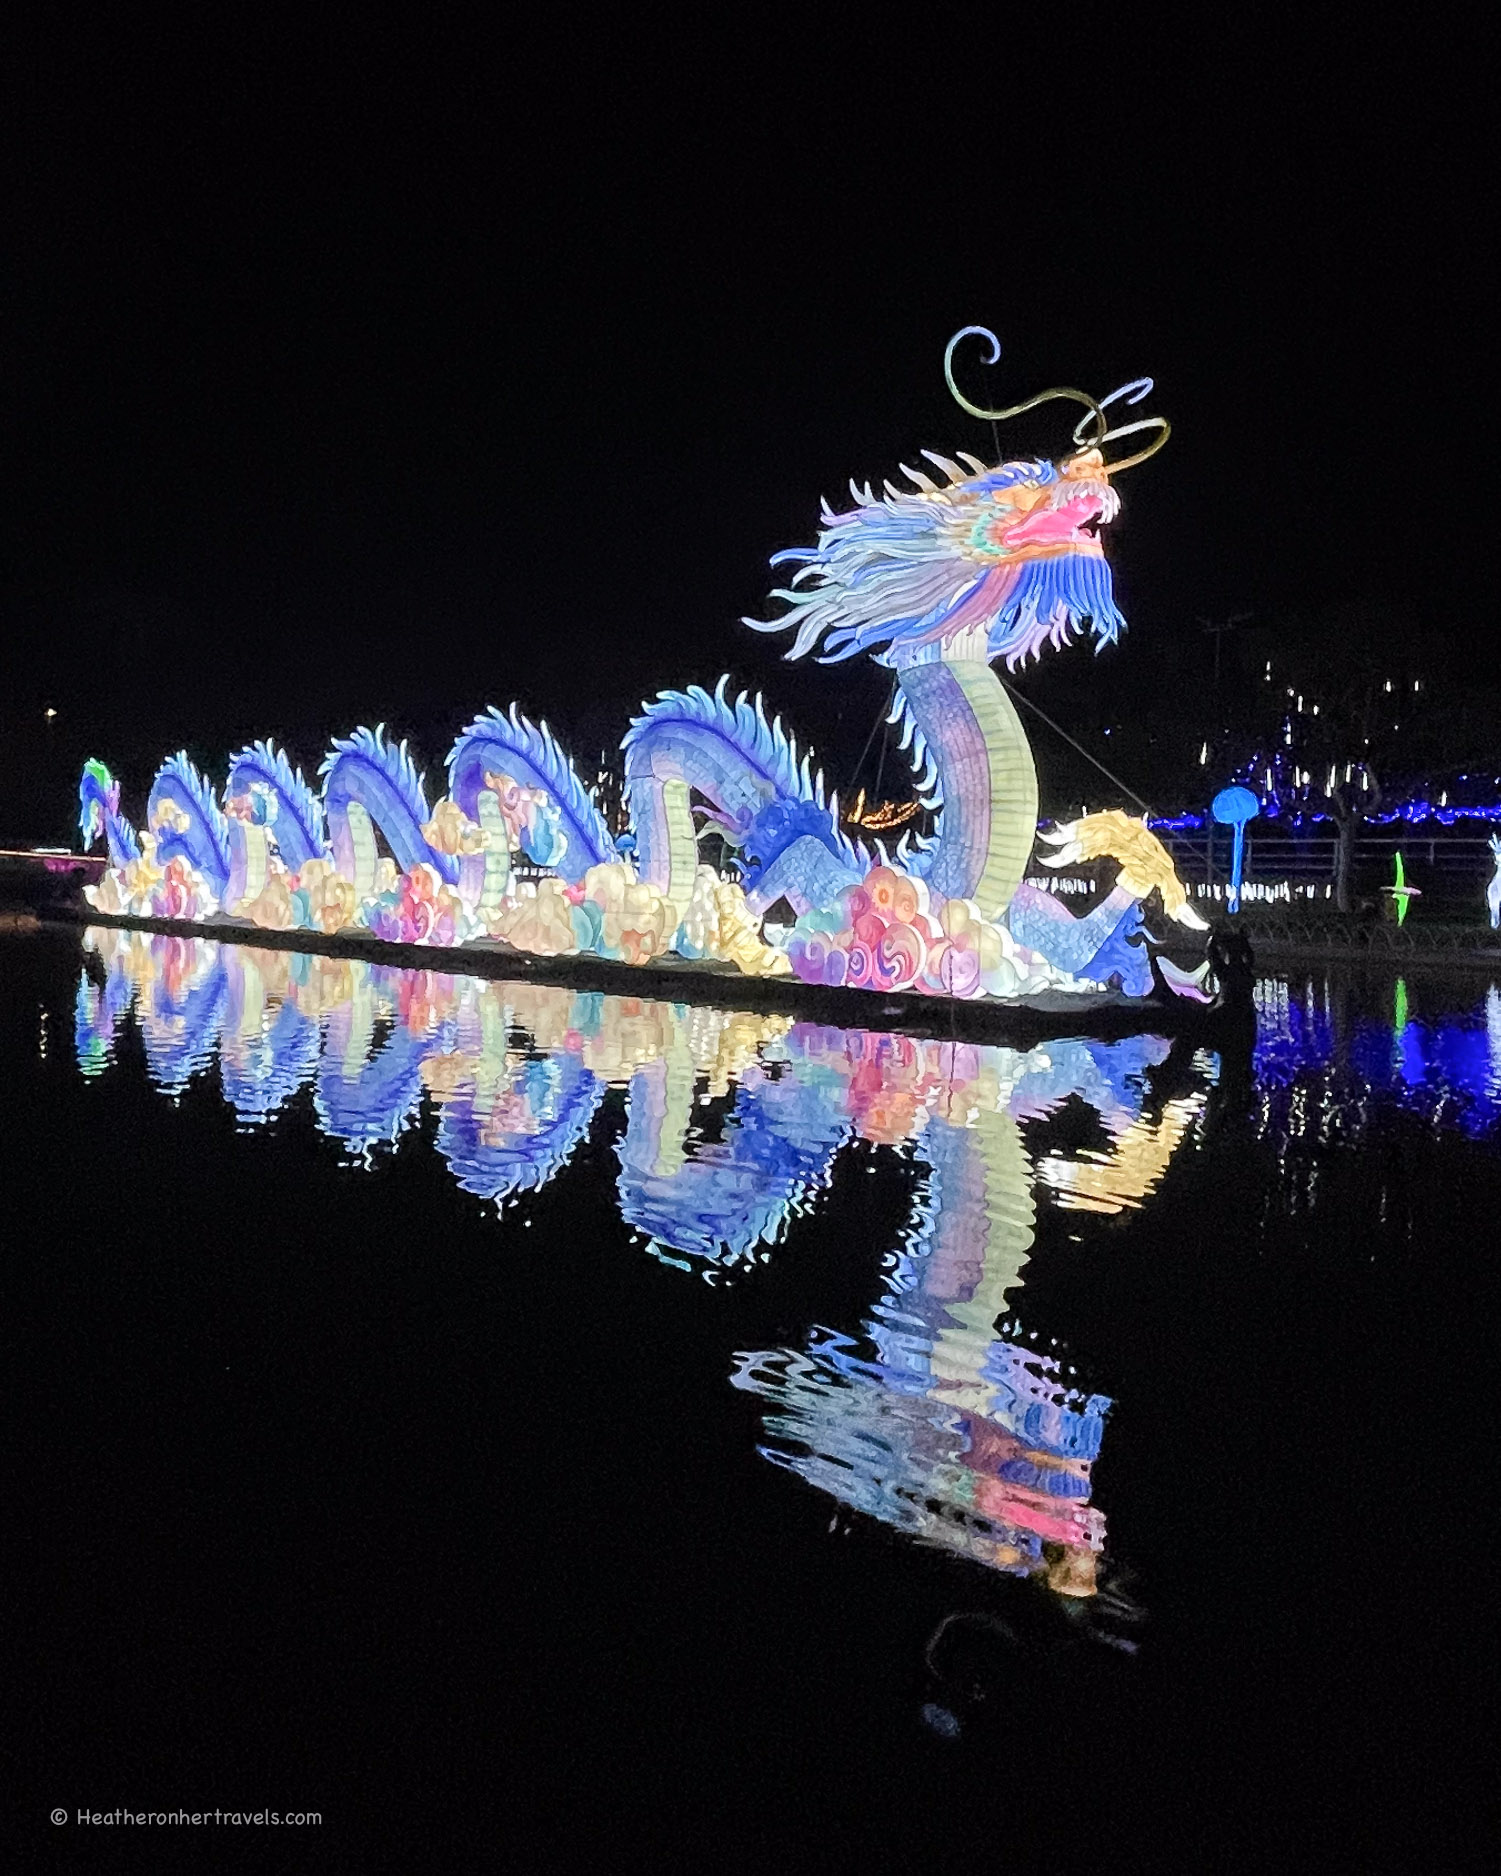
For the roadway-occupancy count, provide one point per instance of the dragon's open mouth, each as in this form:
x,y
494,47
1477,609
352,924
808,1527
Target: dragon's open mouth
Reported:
x,y
1072,526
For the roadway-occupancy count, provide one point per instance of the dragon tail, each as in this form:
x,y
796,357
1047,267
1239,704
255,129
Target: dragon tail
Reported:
x,y
99,813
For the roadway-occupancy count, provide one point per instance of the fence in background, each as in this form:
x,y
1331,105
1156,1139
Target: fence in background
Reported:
x,y
1446,864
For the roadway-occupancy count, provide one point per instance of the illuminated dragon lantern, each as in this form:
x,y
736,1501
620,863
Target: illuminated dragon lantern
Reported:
x,y
940,580
937,582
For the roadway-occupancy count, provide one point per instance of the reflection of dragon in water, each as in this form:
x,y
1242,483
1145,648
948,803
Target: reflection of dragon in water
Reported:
x,y
925,1417
935,581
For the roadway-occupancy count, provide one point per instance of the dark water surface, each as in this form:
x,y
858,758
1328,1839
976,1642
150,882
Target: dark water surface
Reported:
x,y
475,1411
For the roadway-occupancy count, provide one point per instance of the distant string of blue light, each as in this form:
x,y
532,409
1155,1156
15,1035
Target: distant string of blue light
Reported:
x,y
1411,812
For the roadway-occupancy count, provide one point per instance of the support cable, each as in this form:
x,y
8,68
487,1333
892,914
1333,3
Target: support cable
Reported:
x,y
881,716
1115,780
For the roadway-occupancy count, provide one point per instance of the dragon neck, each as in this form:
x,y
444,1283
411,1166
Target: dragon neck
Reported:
x,y
666,839
249,863
985,769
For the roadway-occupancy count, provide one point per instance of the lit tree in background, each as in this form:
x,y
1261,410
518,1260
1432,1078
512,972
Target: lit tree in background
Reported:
x,y
1342,715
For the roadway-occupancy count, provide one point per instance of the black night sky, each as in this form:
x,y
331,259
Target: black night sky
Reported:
x,y
353,375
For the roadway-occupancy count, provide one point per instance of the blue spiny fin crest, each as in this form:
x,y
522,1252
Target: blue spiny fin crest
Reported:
x,y
263,762
765,745
911,849
393,760
183,772
536,745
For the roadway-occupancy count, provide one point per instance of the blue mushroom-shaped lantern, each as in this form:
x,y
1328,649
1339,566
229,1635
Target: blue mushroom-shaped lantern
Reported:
x,y
1233,807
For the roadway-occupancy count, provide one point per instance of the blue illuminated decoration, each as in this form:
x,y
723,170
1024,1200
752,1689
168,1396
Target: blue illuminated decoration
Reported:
x,y
730,1199
1234,807
99,1010
369,784
512,1131
192,834
368,1092
262,774
1409,813
180,1017
497,752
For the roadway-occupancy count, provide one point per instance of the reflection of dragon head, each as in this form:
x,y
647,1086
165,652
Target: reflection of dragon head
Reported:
x,y
1144,861
1012,552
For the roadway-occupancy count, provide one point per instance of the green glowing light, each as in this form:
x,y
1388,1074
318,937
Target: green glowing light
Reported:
x,y
1401,892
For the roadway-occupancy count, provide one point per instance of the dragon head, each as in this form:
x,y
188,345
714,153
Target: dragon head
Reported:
x,y
1144,861
775,828
1035,510
991,562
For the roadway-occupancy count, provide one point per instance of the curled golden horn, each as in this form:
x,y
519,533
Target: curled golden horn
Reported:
x,y
1133,393
1015,410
